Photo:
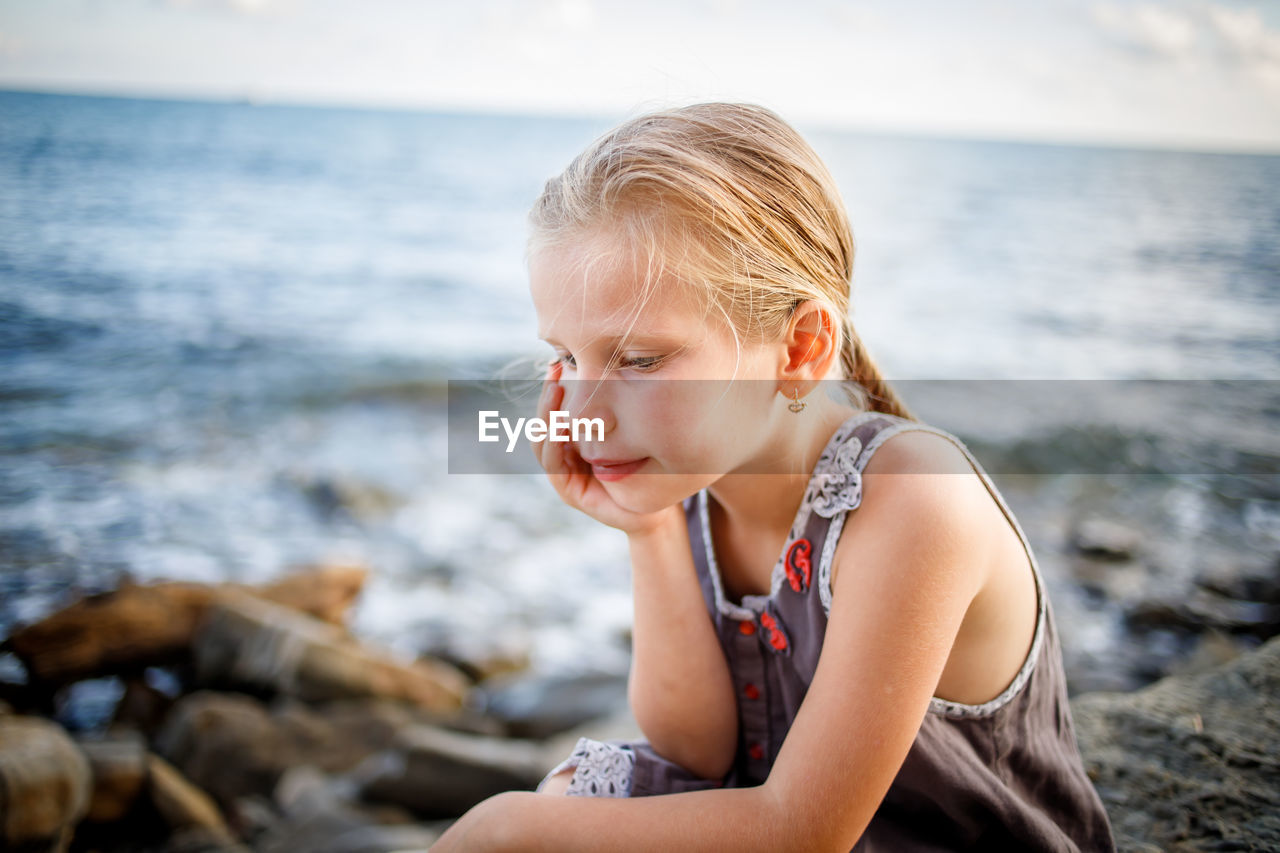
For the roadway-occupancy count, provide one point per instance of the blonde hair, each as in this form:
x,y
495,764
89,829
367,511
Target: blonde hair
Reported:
x,y
731,200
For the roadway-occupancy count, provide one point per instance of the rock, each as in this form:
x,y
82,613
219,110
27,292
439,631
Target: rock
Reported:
x,y
139,626
230,746
1115,581
320,821
45,784
1247,583
1190,763
118,766
538,706
199,840
1200,609
438,773
325,592
183,805
234,746
482,655
1105,539
252,643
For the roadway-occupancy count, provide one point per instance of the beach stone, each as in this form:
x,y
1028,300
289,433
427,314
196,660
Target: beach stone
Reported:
x,y
235,746
1122,582
438,773
1247,583
483,655
200,840
319,820
182,805
45,784
136,626
1200,609
1190,762
1105,539
534,705
118,766
252,643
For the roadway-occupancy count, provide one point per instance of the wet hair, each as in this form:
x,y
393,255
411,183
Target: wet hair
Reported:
x,y
730,200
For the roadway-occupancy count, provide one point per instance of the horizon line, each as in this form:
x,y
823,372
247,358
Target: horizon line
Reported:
x,y
820,125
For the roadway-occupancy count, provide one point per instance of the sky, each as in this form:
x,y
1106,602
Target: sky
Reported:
x,y
1201,74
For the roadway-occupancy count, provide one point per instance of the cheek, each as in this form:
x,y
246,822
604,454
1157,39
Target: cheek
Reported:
x,y
687,421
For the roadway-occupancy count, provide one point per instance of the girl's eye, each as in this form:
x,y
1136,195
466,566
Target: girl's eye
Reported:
x,y
648,362
563,358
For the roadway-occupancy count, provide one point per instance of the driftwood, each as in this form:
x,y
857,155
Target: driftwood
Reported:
x,y
139,626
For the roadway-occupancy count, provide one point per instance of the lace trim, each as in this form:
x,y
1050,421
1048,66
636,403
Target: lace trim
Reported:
x,y
824,567
603,769
836,485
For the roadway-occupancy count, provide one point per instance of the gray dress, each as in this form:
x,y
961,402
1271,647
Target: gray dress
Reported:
x,y
1006,774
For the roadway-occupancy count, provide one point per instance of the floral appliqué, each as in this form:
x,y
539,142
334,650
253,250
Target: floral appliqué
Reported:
x,y
839,483
799,568
774,634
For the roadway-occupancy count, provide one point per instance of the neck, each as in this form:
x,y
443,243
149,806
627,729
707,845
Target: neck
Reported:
x,y
767,498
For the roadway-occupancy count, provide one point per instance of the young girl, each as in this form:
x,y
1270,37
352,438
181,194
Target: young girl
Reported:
x,y
827,654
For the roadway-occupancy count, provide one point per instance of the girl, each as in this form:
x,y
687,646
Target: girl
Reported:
x,y
827,655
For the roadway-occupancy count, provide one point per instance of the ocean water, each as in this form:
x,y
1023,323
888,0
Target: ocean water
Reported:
x,y
226,329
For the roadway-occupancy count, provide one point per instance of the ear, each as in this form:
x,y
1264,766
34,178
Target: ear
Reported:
x,y
811,341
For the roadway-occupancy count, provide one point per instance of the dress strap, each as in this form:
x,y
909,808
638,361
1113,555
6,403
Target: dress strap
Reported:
x,y
693,514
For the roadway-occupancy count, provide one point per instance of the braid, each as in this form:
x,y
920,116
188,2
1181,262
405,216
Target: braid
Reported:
x,y
859,368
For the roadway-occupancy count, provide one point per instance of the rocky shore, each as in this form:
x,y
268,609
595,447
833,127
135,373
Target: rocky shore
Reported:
x,y
252,720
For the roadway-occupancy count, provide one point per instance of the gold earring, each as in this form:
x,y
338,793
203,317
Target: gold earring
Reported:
x,y
797,405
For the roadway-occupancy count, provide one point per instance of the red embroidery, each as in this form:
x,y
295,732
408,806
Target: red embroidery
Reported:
x,y
747,627
756,751
776,638
798,558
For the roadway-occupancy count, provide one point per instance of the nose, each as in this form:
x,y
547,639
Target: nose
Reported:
x,y
589,398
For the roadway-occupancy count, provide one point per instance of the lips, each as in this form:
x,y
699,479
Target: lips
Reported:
x,y
614,469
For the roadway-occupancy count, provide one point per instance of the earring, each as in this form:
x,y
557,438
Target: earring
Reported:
x,y
797,405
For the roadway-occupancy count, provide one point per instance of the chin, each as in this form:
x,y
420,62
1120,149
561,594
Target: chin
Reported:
x,y
632,495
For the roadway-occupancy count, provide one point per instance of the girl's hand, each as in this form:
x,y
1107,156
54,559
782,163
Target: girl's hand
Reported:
x,y
573,479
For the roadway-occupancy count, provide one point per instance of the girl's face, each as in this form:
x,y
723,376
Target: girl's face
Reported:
x,y
677,395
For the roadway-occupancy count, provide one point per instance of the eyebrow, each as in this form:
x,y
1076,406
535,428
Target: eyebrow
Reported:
x,y
618,340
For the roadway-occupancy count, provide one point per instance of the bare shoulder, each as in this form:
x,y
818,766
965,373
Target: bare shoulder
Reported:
x,y
919,483
918,451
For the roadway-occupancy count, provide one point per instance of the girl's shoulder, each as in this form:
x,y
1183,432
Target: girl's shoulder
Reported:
x,y
883,446
884,443
903,446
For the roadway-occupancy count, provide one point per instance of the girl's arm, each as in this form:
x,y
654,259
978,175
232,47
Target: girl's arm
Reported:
x,y
911,564
680,690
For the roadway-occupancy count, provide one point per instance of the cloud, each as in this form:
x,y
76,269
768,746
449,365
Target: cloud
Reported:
x,y
1245,40
1149,29
1196,36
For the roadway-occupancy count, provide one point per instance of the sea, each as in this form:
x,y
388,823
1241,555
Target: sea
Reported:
x,y
227,332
